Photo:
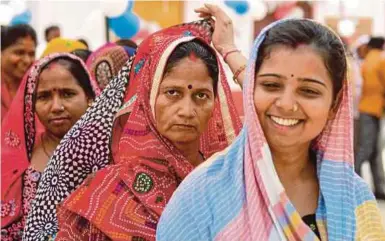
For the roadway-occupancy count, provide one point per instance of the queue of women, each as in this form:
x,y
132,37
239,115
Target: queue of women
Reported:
x,y
145,143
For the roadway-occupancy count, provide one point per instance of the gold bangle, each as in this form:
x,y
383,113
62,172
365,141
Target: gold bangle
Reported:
x,y
239,70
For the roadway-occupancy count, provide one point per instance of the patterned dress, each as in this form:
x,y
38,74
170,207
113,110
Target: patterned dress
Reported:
x,y
15,230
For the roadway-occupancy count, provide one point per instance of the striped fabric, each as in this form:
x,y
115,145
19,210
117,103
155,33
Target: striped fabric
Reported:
x,y
237,195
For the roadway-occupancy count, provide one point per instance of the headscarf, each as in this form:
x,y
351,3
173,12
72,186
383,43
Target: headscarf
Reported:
x,y
86,148
19,130
237,195
105,63
62,45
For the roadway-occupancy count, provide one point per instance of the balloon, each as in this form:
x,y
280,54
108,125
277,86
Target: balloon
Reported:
x,y
125,26
240,7
23,18
114,8
93,27
18,6
6,14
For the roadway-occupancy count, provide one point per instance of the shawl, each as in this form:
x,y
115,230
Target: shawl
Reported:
x,y
147,167
105,63
62,45
18,131
237,194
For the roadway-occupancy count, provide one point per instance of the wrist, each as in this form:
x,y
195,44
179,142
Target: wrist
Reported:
x,y
223,49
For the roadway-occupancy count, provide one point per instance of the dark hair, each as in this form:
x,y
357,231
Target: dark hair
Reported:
x,y
293,33
83,41
82,53
10,34
49,29
376,42
127,43
77,70
202,51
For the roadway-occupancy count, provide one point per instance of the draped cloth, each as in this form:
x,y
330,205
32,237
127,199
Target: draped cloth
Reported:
x,y
19,131
146,168
62,45
237,194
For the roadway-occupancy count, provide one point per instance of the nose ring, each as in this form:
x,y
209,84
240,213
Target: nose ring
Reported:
x,y
295,107
62,108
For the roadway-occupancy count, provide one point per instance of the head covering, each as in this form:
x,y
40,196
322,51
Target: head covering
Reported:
x,y
237,195
87,145
104,64
62,45
18,131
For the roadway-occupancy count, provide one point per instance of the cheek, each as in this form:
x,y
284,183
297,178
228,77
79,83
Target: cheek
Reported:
x,y
163,111
77,106
41,111
205,113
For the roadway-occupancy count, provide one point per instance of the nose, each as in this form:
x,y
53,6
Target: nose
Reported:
x,y
57,104
187,108
286,101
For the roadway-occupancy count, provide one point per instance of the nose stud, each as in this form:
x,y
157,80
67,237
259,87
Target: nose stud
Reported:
x,y
295,107
62,108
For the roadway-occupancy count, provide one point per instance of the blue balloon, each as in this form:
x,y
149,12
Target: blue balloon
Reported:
x,y
240,7
22,18
125,26
130,5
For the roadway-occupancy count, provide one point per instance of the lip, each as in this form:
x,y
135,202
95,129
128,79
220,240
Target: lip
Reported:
x,y
184,126
283,128
59,120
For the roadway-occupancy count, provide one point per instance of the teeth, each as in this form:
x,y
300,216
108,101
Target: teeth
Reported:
x,y
284,122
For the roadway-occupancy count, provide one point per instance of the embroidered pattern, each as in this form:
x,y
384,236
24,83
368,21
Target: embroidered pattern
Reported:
x,y
143,183
12,139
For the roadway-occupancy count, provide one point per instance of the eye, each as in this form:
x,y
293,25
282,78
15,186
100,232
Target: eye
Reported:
x,y
271,86
172,92
202,96
68,94
310,92
42,97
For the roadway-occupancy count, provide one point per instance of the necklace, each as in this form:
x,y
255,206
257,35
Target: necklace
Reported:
x,y
42,144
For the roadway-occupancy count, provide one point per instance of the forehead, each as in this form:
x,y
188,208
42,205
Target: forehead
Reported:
x,y
302,62
24,42
188,71
56,76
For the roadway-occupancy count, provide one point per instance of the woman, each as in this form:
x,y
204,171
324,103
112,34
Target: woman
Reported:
x,y
177,112
104,64
62,45
18,44
56,92
289,175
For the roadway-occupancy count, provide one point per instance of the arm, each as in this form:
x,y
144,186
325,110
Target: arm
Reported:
x,y
223,38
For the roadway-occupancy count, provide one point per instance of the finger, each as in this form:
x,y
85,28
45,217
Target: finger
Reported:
x,y
204,15
202,9
218,13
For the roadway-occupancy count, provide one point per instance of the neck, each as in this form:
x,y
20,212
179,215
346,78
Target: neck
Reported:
x,y
293,164
50,141
191,152
11,83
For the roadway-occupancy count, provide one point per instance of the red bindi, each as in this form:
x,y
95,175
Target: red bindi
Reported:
x,y
190,87
193,57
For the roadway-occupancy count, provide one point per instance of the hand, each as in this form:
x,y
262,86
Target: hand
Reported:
x,y
223,36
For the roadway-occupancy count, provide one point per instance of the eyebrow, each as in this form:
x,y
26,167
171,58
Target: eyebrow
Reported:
x,y
311,80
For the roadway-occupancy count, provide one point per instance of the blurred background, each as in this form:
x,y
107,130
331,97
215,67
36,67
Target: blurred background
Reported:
x,y
101,21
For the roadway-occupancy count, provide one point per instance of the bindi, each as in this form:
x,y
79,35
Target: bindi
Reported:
x,y
189,87
292,75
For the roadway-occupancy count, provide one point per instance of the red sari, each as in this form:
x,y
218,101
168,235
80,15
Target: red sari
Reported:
x,y
125,200
19,131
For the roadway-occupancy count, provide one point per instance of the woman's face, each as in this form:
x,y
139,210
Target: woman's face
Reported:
x,y
60,100
185,102
17,58
293,96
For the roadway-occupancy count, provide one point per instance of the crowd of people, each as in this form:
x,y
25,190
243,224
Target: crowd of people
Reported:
x,y
144,142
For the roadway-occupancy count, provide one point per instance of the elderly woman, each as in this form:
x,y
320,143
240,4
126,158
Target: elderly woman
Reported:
x,y
289,175
176,112
53,95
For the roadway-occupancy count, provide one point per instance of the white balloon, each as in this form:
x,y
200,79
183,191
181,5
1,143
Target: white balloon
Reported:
x,y
346,28
6,14
154,26
258,9
18,6
113,8
296,12
93,28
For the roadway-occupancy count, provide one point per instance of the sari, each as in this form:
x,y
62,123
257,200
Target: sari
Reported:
x,y
237,194
20,131
146,167
62,45
105,63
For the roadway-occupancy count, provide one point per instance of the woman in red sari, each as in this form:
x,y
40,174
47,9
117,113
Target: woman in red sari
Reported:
x,y
53,95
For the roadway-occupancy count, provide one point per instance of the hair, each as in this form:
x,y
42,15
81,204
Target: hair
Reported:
x,y
49,29
82,53
10,34
77,70
324,41
202,51
83,41
126,43
376,42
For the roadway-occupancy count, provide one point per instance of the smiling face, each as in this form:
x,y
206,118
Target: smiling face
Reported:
x,y
60,100
185,102
293,96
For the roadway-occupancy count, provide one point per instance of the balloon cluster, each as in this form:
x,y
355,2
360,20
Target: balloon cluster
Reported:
x,y
121,19
14,12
